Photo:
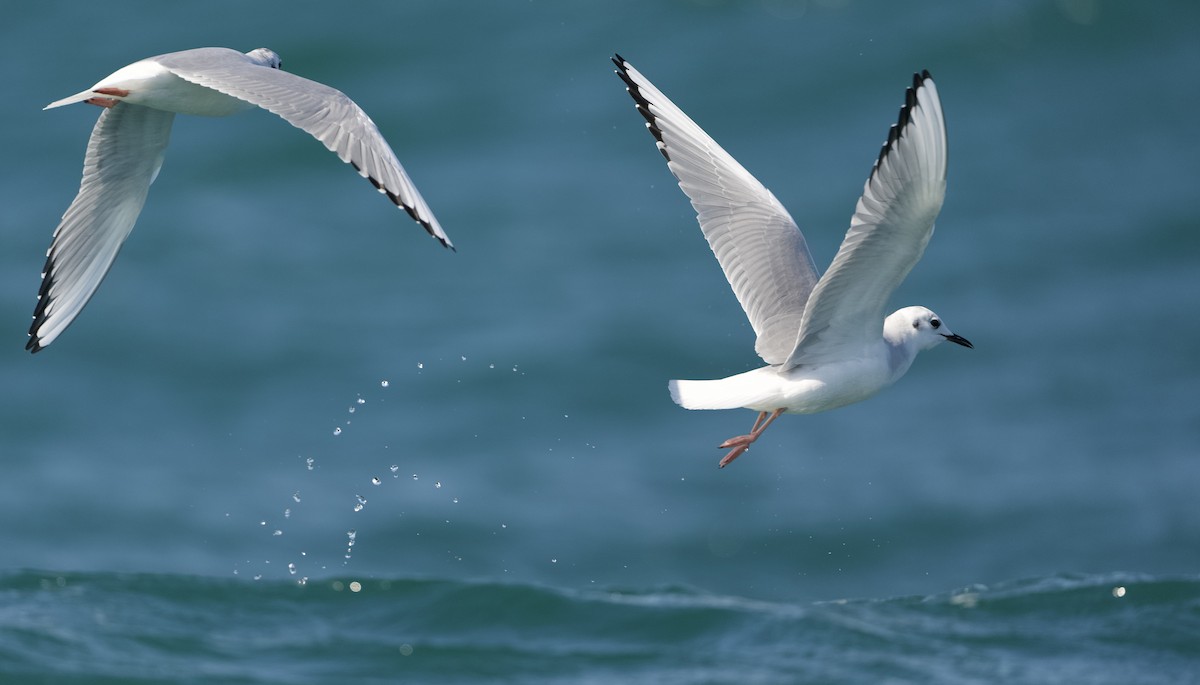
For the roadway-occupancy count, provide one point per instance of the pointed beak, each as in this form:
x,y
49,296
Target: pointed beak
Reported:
x,y
955,338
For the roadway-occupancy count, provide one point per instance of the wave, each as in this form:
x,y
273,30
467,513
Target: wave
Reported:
x,y
60,627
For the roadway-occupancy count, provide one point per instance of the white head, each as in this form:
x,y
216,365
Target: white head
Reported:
x,y
918,328
265,57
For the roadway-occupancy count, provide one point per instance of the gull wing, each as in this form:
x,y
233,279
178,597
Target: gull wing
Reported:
x,y
760,248
892,223
123,157
325,113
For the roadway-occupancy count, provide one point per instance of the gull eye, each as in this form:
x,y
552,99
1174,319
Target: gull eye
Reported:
x,y
935,323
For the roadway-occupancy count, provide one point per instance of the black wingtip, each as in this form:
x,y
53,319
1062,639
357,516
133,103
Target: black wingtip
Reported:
x,y
640,101
623,71
34,345
910,102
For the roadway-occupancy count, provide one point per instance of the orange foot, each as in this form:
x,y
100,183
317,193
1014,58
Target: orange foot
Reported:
x,y
741,443
107,102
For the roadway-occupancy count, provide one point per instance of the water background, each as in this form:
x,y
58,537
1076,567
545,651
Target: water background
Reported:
x,y
543,512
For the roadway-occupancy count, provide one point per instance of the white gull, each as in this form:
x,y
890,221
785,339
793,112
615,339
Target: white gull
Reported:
x,y
824,337
129,141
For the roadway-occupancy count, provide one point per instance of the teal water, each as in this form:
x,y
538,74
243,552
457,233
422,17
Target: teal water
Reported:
x,y
154,628
531,505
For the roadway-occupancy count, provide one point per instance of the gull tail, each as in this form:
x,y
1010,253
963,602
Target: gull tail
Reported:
x,y
743,390
698,395
77,97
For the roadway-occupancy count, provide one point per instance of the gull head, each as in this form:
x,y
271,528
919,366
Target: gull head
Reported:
x,y
265,57
919,329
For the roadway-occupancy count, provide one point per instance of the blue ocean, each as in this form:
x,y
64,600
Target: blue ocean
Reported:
x,y
293,440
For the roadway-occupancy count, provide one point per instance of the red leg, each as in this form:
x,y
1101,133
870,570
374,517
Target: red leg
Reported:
x,y
742,442
107,102
761,415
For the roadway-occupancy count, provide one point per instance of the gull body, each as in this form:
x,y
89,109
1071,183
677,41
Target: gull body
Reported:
x,y
823,336
128,145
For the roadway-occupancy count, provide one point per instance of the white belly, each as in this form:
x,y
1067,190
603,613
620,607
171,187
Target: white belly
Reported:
x,y
152,85
801,391
807,391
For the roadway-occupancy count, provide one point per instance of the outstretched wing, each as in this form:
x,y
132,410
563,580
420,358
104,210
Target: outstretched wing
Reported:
x,y
758,245
123,157
326,113
888,233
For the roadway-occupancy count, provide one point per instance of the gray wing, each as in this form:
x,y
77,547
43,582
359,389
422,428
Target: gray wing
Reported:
x,y
123,157
757,243
892,223
326,113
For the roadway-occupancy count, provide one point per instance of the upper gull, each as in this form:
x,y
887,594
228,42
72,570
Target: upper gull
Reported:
x,y
824,337
129,141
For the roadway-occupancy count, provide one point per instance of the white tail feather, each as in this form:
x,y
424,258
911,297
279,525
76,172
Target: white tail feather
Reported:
x,y
743,390
77,97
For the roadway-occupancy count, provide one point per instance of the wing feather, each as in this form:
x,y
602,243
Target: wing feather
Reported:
x,y
759,247
123,157
324,112
892,223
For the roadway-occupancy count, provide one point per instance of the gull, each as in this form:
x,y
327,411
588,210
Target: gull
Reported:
x,y
823,337
127,146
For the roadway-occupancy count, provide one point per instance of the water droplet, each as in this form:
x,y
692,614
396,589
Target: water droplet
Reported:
x,y
383,384
277,533
296,495
287,513
463,357
362,502
492,365
337,431
554,561
414,476
309,463
303,580
395,469
360,401
375,480
438,485
351,409
455,500
420,365
292,569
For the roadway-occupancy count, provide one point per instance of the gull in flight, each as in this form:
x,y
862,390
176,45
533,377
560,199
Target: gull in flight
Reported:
x,y
127,146
824,337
